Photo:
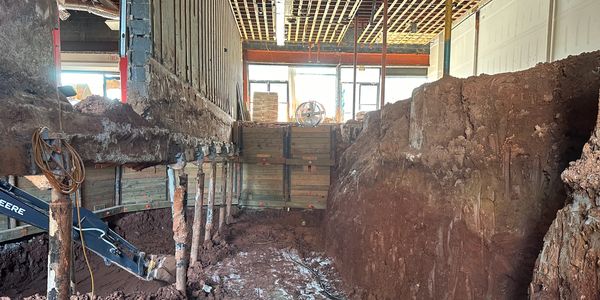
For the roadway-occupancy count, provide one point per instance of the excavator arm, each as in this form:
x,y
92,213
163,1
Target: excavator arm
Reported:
x,y
99,238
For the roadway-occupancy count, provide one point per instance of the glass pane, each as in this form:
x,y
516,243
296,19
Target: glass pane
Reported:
x,y
401,88
113,87
368,97
268,72
316,70
320,88
85,84
347,97
282,92
366,75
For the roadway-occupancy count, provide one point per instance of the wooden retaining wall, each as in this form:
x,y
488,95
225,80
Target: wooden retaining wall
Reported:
x,y
286,166
140,190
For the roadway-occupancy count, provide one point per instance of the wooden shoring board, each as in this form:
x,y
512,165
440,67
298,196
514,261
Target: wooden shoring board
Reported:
x,y
144,186
98,190
286,166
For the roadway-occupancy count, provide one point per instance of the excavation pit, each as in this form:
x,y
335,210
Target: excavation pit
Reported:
x,y
270,254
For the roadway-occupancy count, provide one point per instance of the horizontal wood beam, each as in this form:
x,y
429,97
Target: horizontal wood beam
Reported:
x,y
333,58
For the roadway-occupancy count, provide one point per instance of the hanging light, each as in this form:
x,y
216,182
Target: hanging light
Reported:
x,y
280,22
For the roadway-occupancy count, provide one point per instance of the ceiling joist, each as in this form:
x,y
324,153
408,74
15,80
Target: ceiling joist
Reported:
x,y
327,21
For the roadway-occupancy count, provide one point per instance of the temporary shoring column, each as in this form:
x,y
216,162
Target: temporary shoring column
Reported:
x,y
140,47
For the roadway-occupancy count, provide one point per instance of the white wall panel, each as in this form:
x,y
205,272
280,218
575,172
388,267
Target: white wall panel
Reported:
x,y
577,27
462,55
436,58
513,35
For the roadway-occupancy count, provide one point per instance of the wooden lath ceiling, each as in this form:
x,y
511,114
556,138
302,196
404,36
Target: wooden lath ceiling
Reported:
x,y
327,21
322,21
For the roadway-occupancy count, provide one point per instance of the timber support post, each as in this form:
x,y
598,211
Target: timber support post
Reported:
x,y
211,200
224,178
197,225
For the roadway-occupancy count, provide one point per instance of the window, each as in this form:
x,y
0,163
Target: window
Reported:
x,y
92,83
401,87
270,78
367,87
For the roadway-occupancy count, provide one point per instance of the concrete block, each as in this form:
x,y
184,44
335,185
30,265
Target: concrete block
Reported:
x,y
141,43
140,27
138,58
140,10
138,74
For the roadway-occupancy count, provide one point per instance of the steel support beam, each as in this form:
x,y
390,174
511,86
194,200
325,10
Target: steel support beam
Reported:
x,y
384,53
334,58
447,37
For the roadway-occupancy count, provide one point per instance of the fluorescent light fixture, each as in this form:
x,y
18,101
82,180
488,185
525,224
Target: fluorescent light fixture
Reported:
x,y
280,22
112,24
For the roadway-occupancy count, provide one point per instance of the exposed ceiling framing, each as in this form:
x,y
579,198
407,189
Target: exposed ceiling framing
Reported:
x,y
327,21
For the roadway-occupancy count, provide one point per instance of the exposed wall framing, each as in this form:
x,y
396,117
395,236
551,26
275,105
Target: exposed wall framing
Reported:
x,y
199,42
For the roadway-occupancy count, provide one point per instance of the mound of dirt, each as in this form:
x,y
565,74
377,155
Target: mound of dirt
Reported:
x,y
449,195
114,110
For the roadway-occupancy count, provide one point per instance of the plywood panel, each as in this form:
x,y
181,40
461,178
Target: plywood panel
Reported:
x,y
513,35
577,27
263,185
148,185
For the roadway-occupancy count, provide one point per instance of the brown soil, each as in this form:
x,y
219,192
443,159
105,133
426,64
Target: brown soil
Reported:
x,y
263,255
567,267
448,195
115,110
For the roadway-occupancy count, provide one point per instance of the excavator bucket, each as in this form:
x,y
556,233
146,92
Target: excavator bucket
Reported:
x,y
162,268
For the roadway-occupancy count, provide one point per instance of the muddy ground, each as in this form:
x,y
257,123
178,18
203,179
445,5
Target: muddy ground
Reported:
x,y
263,255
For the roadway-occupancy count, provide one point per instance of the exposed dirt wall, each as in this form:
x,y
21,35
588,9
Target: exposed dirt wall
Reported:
x,y
567,267
175,105
26,62
448,195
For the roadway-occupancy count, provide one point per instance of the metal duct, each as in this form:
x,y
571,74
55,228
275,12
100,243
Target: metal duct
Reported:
x,y
90,7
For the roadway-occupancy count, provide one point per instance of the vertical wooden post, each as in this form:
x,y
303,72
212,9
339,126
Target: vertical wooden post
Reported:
x,y
211,200
223,196
239,181
180,231
59,246
60,223
229,194
197,226
118,189
12,223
